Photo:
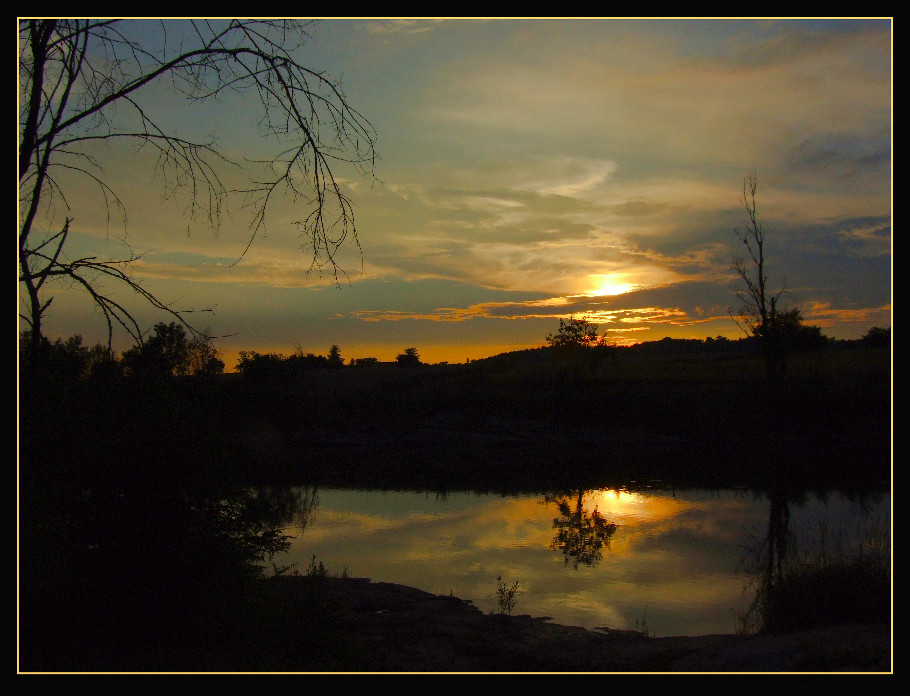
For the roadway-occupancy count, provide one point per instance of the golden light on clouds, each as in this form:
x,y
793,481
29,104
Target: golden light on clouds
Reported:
x,y
540,170
609,284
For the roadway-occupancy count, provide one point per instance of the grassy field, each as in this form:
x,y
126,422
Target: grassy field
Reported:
x,y
689,417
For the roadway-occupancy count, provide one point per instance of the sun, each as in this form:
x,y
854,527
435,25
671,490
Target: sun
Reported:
x,y
608,284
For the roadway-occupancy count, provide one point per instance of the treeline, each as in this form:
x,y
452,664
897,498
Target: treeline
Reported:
x,y
253,364
795,338
169,350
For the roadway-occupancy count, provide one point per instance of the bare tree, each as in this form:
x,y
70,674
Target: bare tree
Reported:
x,y
758,314
84,84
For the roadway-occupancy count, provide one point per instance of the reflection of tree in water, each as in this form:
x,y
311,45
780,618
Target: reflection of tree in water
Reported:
x,y
284,506
580,535
766,559
766,556
777,538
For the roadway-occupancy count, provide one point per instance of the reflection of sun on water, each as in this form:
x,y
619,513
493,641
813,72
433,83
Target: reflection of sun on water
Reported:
x,y
614,503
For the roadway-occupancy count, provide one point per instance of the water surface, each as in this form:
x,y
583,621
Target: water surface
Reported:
x,y
670,562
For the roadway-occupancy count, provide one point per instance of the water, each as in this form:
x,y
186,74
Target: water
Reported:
x,y
672,564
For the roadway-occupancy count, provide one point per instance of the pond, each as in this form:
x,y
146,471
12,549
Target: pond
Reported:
x,y
672,562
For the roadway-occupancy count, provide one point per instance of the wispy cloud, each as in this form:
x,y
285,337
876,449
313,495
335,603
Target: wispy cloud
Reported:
x,y
403,26
526,166
618,316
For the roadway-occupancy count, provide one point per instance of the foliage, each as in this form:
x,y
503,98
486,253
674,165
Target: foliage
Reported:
x,y
85,84
409,358
506,595
877,337
253,364
334,358
276,366
580,535
364,362
575,333
317,570
306,361
821,582
134,524
65,360
789,329
169,351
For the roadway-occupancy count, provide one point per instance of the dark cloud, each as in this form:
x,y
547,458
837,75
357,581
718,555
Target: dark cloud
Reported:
x,y
847,157
637,208
686,295
697,243
776,43
869,225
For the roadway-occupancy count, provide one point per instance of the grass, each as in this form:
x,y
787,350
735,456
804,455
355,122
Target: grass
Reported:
x,y
826,582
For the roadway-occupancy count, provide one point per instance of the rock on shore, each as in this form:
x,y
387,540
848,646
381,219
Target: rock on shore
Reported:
x,y
403,629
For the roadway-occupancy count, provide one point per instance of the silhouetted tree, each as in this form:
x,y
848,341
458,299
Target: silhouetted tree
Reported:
x,y
410,358
575,333
766,558
306,361
877,337
85,83
168,351
794,334
758,313
364,362
335,359
257,365
63,360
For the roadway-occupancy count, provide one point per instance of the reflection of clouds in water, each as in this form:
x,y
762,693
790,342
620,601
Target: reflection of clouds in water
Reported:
x,y
340,525
674,558
584,608
512,520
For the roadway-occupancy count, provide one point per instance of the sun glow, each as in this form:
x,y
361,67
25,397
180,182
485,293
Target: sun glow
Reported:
x,y
629,505
609,284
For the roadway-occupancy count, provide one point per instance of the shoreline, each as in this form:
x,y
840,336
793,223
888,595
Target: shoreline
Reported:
x,y
330,625
404,629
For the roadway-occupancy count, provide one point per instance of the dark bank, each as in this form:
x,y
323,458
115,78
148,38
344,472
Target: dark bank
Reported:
x,y
144,545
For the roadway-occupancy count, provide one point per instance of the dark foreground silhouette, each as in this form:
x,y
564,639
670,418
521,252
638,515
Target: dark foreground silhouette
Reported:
x,y
141,547
354,625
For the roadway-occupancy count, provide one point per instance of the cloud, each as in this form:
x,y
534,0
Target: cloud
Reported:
x,y
681,305
824,315
848,158
403,26
573,177
535,160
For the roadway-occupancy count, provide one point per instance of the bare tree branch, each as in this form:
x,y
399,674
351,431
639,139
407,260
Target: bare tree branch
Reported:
x,y
86,83
757,314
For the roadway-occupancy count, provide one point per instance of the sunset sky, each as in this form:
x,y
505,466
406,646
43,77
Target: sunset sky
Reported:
x,y
535,169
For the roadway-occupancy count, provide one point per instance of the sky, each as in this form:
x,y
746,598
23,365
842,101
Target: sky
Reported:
x,y
530,170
